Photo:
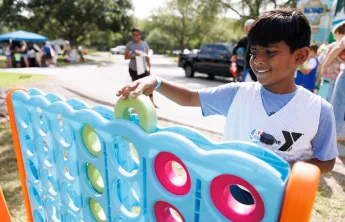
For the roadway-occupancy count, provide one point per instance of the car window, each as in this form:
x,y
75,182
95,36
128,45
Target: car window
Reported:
x,y
220,50
229,47
206,50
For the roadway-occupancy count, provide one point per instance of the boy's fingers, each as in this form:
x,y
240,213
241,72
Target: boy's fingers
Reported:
x,y
129,89
147,92
124,90
139,90
121,90
120,93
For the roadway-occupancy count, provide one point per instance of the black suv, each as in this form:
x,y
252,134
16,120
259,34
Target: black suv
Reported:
x,y
213,59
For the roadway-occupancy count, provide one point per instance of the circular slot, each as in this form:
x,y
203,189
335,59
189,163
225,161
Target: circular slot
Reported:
x,y
91,140
95,178
236,199
172,173
97,211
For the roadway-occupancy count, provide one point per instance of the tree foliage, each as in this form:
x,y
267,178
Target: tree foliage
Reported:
x,y
67,19
246,9
184,20
179,24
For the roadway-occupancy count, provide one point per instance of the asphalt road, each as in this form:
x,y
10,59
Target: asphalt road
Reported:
x,y
102,80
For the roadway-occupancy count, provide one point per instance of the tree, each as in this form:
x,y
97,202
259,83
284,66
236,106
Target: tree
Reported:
x,y
184,20
159,41
247,9
102,40
223,30
67,19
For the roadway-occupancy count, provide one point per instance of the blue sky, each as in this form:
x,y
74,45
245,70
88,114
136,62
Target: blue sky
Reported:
x,y
142,8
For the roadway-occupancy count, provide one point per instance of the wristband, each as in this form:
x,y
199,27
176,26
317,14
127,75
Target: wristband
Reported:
x,y
159,82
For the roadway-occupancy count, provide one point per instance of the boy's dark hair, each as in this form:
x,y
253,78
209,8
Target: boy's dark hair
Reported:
x,y
287,25
339,28
314,47
136,30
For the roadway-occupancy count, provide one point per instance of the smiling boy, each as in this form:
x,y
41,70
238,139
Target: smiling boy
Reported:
x,y
291,121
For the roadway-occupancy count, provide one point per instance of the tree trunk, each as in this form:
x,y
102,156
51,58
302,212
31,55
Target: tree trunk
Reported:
x,y
182,43
73,42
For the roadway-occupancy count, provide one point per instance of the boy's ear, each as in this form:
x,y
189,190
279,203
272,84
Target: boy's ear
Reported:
x,y
302,55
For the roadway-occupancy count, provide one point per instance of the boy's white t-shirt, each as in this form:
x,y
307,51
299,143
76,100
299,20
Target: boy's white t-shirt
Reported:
x,y
323,146
291,130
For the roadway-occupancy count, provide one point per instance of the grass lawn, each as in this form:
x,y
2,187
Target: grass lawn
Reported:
x,y
3,62
95,52
61,62
9,176
16,79
329,204
173,57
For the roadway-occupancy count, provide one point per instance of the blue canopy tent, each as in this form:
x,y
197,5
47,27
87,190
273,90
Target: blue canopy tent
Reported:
x,y
22,36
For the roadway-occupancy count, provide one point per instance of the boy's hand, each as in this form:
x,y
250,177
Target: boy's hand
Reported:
x,y
141,86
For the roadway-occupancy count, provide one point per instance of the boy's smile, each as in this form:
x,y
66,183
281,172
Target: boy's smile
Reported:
x,y
275,66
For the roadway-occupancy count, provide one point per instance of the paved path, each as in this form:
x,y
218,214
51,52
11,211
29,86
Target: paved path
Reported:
x,y
102,83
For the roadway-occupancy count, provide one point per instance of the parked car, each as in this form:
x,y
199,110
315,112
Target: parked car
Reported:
x,y
177,52
119,50
213,59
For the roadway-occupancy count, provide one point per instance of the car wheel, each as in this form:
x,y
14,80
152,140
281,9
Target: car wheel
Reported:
x,y
189,72
210,76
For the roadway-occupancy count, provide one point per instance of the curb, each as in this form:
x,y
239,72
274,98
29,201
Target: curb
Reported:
x,y
105,103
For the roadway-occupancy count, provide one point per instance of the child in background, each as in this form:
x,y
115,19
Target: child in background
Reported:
x,y
8,54
321,56
338,98
17,56
306,75
331,68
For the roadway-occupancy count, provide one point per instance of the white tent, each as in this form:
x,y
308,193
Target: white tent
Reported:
x,y
59,42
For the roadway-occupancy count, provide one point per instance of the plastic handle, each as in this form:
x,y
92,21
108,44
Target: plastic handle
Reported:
x,y
143,106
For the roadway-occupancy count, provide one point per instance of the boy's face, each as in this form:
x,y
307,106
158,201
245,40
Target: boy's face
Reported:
x,y
275,66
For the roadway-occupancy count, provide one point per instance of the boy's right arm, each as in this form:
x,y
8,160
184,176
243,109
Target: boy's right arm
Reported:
x,y
173,91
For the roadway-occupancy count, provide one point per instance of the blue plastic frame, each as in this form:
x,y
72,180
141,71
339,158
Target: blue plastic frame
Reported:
x,y
55,159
